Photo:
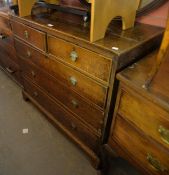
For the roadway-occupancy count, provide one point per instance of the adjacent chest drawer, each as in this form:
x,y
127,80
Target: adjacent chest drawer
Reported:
x,y
4,26
9,66
72,101
80,58
30,35
5,31
150,118
7,46
72,126
73,79
148,154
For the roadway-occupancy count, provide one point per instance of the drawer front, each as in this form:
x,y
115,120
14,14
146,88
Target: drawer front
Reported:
x,y
148,154
73,79
71,100
147,116
66,120
10,67
30,35
80,58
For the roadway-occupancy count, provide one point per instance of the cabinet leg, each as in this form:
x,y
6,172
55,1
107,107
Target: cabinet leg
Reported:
x,y
95,163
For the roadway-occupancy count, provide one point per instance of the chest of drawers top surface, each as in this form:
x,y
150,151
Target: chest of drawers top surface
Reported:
x,y
123,46
137,75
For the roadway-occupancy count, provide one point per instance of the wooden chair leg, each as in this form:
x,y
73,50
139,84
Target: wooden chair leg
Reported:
x,y
25,7
129,20
102,12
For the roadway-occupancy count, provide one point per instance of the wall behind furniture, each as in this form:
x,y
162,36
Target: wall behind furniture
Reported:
x,y
157,17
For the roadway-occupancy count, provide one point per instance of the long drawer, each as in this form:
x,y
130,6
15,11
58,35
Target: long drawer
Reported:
x,y
30,35
73,102
85,60
150,118
63,119
73,79
149,154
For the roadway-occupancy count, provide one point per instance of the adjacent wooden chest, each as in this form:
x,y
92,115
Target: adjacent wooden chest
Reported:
x,y
8,58
141,121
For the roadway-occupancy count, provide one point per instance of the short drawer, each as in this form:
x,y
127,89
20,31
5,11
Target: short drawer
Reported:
x,y
76,81
30,35
73,127
80,58
72,101
147,153
147,116
10,67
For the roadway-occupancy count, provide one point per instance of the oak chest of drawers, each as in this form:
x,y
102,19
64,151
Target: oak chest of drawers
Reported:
x,y
72,80
141,121
8,58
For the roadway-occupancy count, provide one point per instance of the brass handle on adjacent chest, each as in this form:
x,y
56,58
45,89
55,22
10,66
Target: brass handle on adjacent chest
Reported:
x,y
26,34
155,163
73,56
75,103
10,70
164,134
73,81
2,36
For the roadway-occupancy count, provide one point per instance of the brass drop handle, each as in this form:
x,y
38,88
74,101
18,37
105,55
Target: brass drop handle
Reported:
x,y
73,56
35,94
33,74
73,81
164,134
26,34
10,70
2,36
156,163
28,53
74,127
75,103
99,131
